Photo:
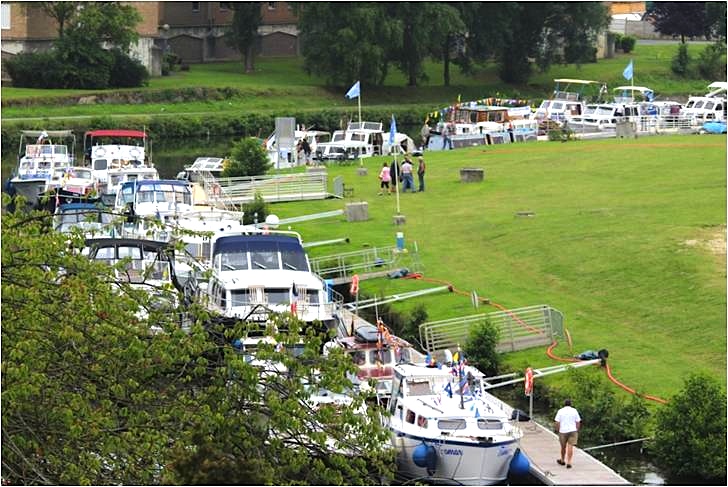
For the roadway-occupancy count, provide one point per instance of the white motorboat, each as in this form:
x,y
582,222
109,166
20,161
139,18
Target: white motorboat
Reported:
x,y
202,166
446,429
285,157
118,156
707,108
40,155
258,272
155,197
362,140
568,99
87,217
74,181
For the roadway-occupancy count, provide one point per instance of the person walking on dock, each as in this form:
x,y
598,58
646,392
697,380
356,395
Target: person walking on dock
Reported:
x,y
567,424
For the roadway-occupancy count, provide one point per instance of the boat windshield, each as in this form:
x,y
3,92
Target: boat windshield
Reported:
x,y
232,261
83,215
338,137
81,173
590,110
294,260
604,110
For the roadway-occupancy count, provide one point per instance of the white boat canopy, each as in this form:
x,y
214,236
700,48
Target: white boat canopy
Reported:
x,y
641,89
577,81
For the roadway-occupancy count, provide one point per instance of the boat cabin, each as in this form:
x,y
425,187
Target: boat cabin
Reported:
x,y
150,262
162,197
86,216
568,99
202,165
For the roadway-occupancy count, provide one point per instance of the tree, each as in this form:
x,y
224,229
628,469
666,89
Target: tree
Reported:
x,y
481,347
247,158
715,15
91,396
61,12
345,42
244,31
689,440
684,19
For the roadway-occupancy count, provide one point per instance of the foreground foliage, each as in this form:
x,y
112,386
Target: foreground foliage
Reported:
x,y
690,436
90,396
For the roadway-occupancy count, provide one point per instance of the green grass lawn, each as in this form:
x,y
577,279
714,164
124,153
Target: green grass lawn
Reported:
x,y
279,84
620,243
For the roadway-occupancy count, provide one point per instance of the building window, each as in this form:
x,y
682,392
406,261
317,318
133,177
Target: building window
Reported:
x,y
5,16
271,5
195,6
224,5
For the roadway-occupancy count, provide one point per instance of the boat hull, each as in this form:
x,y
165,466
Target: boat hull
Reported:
x,y
30,189
457,462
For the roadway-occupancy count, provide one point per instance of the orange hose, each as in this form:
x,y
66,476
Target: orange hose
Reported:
x,y
549,350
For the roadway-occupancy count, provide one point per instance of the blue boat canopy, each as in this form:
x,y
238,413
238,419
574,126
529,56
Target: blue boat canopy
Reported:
x,y
256,243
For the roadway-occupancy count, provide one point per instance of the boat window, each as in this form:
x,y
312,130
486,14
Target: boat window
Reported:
x,y
709,105
489,424
46,149
105,254
451,424
358,137
313,296
101,164
84,174
148,176
422,421
26,165
262,259
396,392
410,417
380,356
145,197
60,149
232,261
359,357
294,260
338,137
419,388
239,297
699,104
278,296
544,104
44,165
557,106
128,251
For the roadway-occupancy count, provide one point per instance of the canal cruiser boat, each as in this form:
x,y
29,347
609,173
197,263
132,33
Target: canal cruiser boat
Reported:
x,y
117,156
446,429
74,181
202,168
90,218
288,157
147,265
40,155
710,107
471,124
258,272
568,99
375,352
154,197
362,140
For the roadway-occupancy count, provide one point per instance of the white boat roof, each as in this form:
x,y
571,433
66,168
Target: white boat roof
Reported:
x,y
269,278
718,84
577,81
641,89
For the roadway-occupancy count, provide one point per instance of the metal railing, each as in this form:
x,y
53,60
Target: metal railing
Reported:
x,y
348,263
231,192
519,329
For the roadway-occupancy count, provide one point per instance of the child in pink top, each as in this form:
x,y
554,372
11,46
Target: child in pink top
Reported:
x,y
385,177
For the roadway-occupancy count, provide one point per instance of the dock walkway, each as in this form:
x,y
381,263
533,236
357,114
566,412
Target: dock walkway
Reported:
x,y
541,446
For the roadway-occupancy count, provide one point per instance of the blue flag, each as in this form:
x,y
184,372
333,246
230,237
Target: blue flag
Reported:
x,y
628,71
353,91
448,389
392,130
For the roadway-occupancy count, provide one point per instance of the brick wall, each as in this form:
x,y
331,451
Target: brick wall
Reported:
x,y
278,13
149,12
626,7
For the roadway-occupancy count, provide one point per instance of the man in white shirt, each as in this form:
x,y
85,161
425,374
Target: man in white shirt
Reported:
x,y
567,424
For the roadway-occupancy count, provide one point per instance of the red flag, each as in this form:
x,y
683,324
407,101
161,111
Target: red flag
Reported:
x,y
294,307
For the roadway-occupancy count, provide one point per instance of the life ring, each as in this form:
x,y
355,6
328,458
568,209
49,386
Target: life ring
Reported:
x,y
528,381
134,152
101,152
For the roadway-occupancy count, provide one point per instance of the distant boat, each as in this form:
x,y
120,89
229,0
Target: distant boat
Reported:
x,y
40,155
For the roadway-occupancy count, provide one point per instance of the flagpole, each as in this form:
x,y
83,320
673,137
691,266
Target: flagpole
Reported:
x,y
396,175
358,98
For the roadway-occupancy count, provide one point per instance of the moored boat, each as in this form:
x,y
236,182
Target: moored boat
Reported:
x,y
40,155
445,429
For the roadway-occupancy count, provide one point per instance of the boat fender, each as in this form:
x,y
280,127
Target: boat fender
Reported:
x,y
425,456
519,464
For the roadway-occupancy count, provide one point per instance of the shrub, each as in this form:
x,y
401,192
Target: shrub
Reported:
x,y
480,348
617,40
255,211
628,43
127,72
690,433
247,158
606,417
35,70
170,61
681,62
711,62
85,65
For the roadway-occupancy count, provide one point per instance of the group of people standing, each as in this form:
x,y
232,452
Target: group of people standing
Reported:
x,y
390,174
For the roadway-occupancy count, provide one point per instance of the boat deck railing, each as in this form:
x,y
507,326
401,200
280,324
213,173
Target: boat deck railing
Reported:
x,y
230,193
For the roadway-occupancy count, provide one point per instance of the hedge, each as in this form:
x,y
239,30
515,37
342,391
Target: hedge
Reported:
x,y
233,124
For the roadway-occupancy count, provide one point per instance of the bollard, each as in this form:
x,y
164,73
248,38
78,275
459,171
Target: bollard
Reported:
x,y
400,240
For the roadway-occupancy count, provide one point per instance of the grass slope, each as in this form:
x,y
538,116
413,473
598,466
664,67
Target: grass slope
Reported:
x,y
618,243
281,84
